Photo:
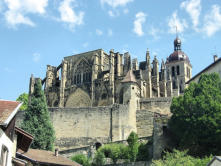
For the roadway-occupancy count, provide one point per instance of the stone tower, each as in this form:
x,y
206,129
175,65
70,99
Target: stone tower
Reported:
x,y
178,68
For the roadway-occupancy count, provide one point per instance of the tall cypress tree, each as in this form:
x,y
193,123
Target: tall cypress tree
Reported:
x,y
37,120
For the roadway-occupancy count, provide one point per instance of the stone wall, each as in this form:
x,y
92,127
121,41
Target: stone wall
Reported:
x,y
84,126
145,116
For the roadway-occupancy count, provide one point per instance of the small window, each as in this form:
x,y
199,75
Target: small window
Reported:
x,y
173,71
178,70
132,87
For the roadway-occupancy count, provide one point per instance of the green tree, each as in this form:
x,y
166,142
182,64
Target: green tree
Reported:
x,y
180,158
81,159
133,146
37,120
196,119
24,99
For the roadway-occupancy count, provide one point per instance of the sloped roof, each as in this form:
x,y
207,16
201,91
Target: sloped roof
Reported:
x,y
217,158
8,109
204,70
129,77
45,157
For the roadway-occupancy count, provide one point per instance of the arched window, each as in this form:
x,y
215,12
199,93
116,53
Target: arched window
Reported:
x,y
178,70
173,71
83,69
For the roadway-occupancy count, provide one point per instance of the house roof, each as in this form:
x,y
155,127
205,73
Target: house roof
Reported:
x,y
24,139
129,77
45,157
8,110
205,69
218,158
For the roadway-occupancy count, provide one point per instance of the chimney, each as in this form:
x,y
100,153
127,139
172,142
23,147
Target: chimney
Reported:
x,y
215,57
56,152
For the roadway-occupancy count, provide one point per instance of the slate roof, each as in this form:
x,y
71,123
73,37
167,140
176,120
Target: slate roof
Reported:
x,y
8,109
45,157
129,77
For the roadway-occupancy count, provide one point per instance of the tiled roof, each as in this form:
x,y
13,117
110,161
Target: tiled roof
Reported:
x,y
46,157
129,77
8,110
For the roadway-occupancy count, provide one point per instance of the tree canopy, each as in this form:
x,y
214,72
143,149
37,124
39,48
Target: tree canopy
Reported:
x,y
196,119
37,120
24,99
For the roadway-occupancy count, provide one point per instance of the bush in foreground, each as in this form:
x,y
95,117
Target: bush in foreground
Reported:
x,y
81,159
180,158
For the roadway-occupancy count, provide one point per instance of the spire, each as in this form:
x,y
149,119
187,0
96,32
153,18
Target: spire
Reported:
x,y
129,77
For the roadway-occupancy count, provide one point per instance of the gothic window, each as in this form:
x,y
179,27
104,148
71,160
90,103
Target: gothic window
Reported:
x,y
173,71
82,73
174,85
178,70
168,75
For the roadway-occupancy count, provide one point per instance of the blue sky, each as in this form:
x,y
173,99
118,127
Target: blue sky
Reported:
x,y
35,33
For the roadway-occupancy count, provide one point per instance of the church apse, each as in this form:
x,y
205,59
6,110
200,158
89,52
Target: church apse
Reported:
x,y
94,78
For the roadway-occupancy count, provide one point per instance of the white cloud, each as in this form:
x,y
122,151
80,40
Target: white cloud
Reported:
x,y
193,8
109,32
99,32
212,21
174,21
36,57
68,14
116,3
138,22
19,9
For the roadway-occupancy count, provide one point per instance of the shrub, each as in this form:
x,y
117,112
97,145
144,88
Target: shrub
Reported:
x,y
133,146
99,159
81,159
114,151
180,158
143,153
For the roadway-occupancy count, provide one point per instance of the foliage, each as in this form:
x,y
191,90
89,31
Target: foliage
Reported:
x,y
81,159
196,119
120,151
133,145
143,154
37,120
99,159
180,158
114,151
24,99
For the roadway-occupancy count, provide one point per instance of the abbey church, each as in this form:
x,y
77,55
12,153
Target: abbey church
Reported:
x,y
96,78
97,97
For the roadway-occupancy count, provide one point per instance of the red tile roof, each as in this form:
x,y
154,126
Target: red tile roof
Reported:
x,y
45,157
129,77
8,110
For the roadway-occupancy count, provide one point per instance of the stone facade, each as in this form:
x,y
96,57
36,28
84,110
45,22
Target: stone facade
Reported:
x,y
96,97
95,78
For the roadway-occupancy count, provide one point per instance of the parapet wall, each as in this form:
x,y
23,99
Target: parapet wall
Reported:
x,y
145,116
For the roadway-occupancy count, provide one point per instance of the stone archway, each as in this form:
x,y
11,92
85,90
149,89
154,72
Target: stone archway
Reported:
x,y
79,98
